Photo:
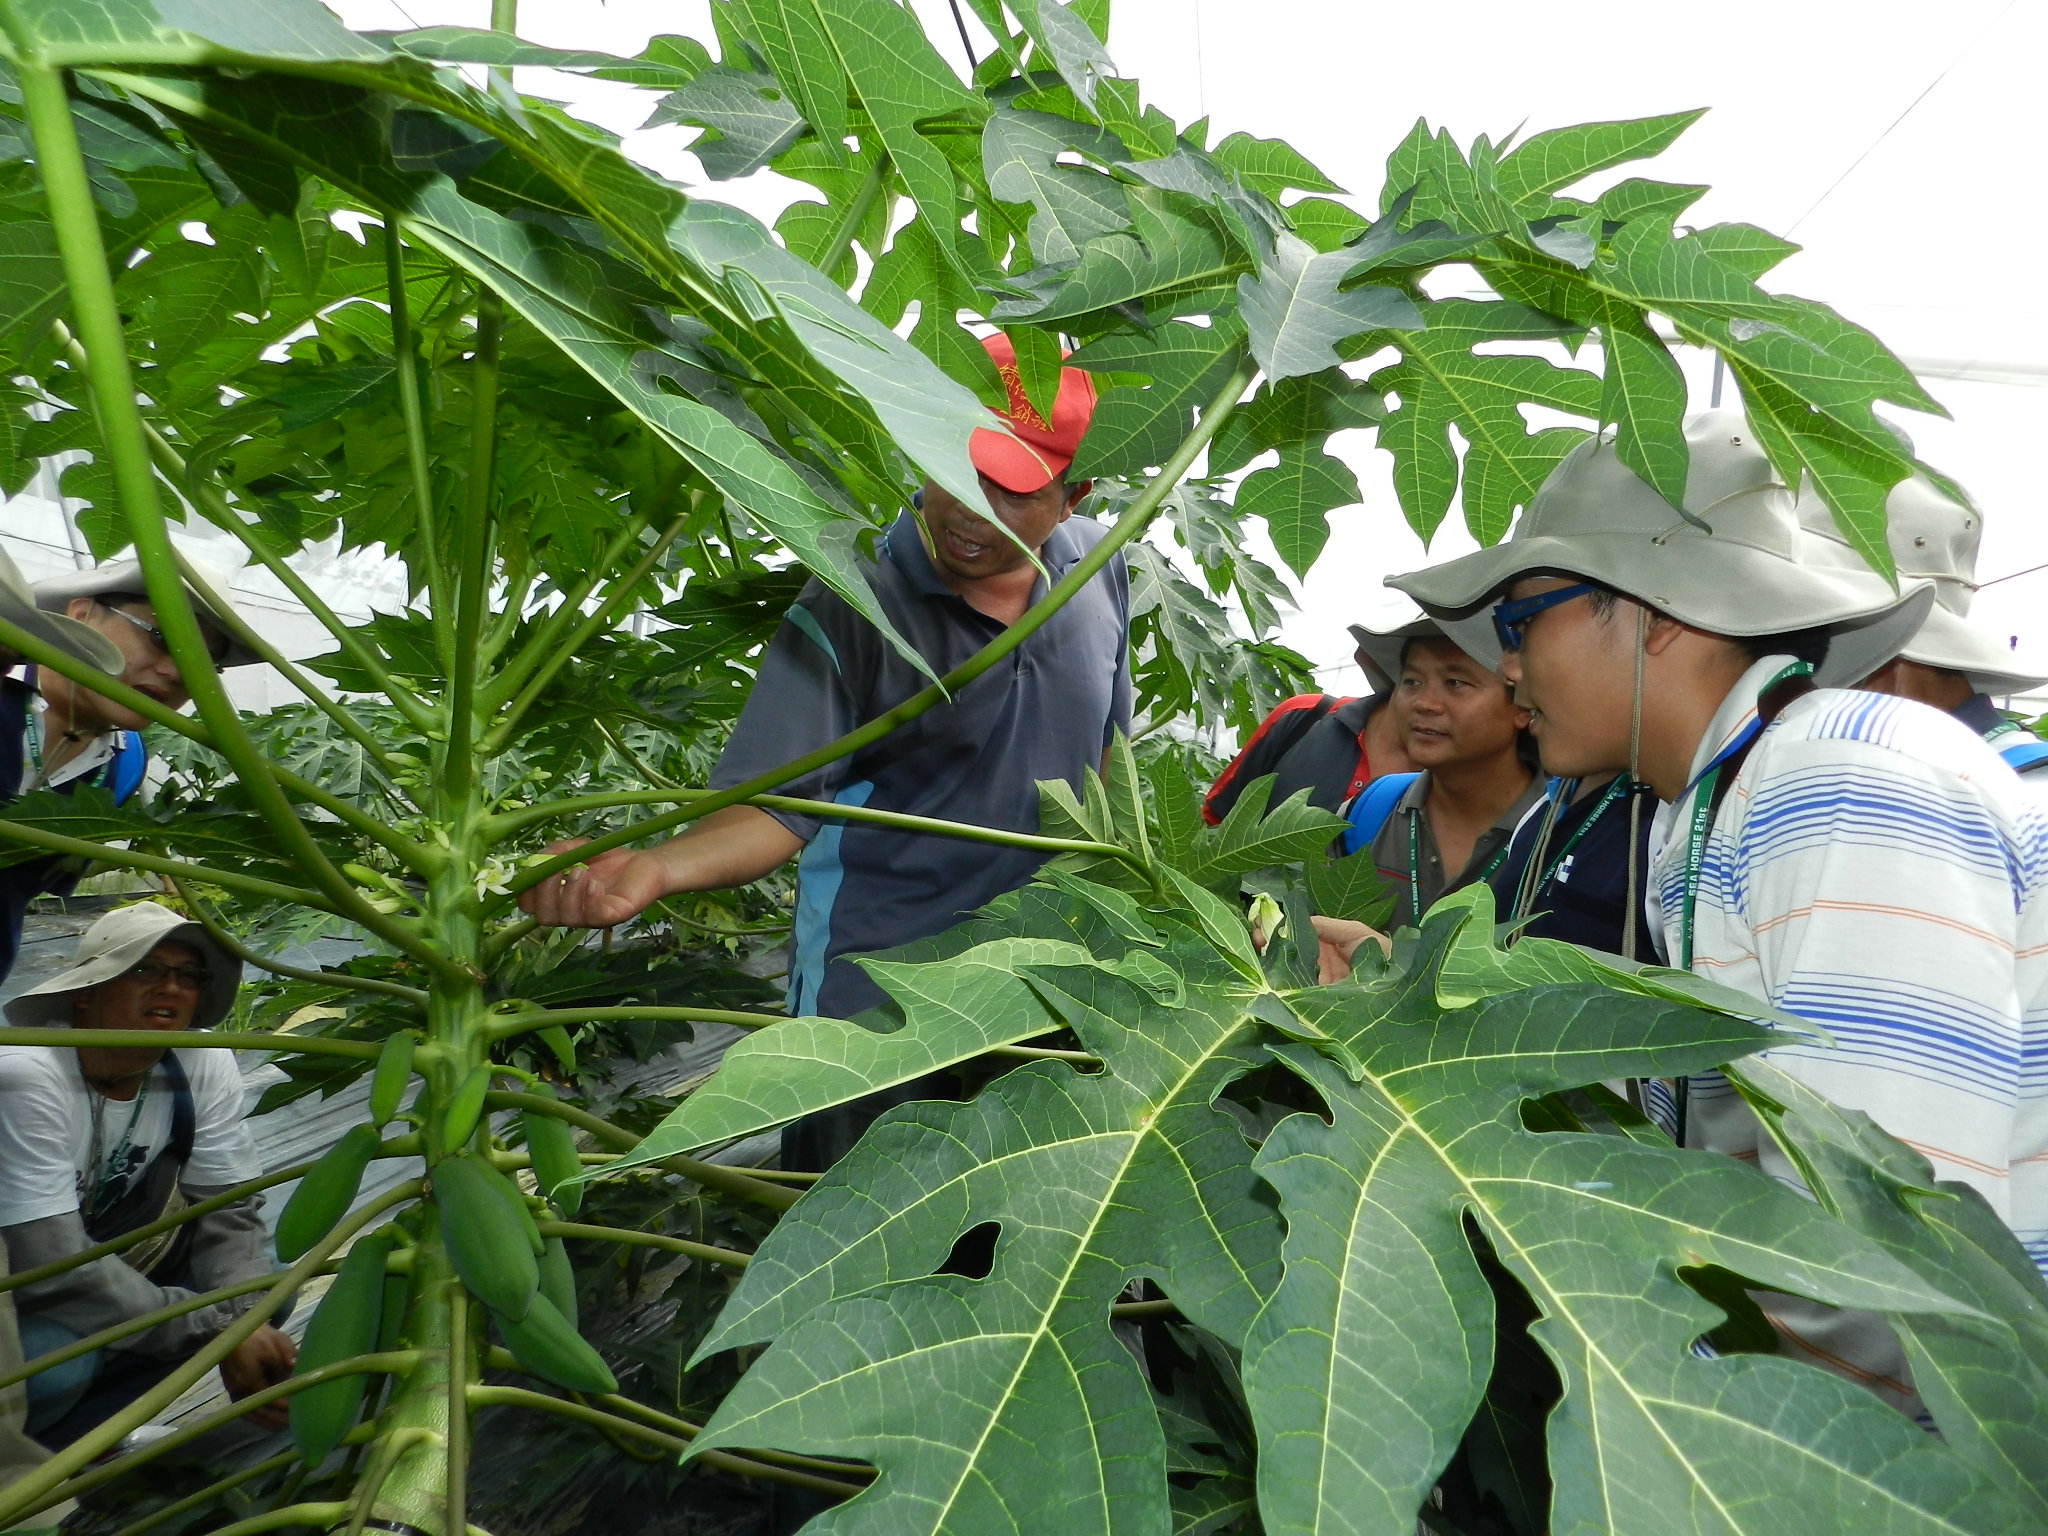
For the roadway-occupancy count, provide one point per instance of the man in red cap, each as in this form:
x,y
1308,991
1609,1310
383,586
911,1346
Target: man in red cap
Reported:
x,y
950,580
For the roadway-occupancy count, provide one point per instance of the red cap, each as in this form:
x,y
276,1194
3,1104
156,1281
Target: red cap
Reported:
x,y
1042,450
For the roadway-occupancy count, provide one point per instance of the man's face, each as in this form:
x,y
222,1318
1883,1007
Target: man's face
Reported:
x,y
967,545
1575,674
1454,712
147,666
161,992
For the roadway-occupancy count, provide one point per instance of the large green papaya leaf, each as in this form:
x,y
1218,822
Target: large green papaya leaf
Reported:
x,y
1443,382
1008,1400
1983,1376
1372,1355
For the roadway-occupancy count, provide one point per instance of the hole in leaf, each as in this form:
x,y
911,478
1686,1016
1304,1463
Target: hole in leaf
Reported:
x,y
974,1254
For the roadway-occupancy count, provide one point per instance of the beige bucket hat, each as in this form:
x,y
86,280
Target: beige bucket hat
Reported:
x,y
207,587
1757,572
1380,650
81,641
1935,538
113,945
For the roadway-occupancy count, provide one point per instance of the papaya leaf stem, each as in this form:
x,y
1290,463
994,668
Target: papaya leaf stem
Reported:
x,y
705,1251
713,1176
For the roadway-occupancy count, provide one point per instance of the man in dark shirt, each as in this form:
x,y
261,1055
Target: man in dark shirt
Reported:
x,y
950,582
1324,743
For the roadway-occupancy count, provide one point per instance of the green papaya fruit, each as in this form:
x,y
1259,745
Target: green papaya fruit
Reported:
x,y
552,1146
344,1325
393,1072
464,1109
325,1193
546,1344
558,1279
488,1233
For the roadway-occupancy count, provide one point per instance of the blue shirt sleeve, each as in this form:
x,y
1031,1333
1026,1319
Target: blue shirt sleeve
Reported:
x,y
806,694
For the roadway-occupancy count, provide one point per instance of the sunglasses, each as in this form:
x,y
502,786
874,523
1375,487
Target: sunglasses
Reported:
x,y
150,972
216,644
1510,620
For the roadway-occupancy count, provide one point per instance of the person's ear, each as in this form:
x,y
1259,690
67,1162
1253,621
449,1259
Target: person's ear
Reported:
x,y
80,608
1660,634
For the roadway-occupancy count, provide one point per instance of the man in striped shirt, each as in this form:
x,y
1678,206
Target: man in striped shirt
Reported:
x,y
1864,861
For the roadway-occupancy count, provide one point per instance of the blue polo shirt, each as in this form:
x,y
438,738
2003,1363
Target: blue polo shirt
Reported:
x,y
1047,711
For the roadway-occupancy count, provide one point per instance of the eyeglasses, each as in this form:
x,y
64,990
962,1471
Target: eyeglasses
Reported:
x,y
1511,619
150,972
216,644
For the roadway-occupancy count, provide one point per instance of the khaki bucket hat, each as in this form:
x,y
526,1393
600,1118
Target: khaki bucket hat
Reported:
x,y
1935,538
112,946
207,587
1753,570
80,641
1380,650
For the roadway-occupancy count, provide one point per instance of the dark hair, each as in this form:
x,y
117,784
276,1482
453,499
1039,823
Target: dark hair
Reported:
x,y
1807,645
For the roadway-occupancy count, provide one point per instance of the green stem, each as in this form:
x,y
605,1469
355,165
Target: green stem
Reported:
x,y
548,645
457,1452
234,946
131,858
726,1256
22,1494
527,1023
683,1428
319,1516
1135,519
474,539
222,514
824,809
389,1449
97,311
160,1517
856,214
604,615
130,1327
519,1397
496,945
127,1240
711,1175
311,691
404,352
618,745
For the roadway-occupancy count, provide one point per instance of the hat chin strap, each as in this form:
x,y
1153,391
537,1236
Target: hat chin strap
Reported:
x,y
1635,779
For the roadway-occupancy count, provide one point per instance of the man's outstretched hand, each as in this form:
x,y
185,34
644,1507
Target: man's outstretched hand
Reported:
x,y
262,1360
615,885
1337,939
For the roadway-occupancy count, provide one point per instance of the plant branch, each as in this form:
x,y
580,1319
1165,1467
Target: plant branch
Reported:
x,y
405,354
527,1023
455,1453
1135,519
519,1397
602,616
194,1040
712,1175
126,1240
856,214
726,1256
223,515
473,541
546,642
234,946
318,1516
827,809
32,1486
130,858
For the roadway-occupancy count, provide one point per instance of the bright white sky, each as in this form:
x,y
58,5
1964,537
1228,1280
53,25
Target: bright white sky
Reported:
x,y
1912,224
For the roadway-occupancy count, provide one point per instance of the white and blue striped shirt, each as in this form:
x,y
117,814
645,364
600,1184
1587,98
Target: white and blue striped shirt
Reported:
x,y
1876,868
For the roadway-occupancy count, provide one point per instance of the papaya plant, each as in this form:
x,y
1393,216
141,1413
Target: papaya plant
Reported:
x,y
1211,1248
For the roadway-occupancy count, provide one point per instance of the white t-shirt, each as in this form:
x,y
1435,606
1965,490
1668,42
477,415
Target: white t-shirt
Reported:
x,y
46,1130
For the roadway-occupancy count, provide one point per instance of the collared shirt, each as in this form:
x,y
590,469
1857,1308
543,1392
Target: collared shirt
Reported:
x,y
1326,756
94,755
1407,829
1047,711
1877,869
